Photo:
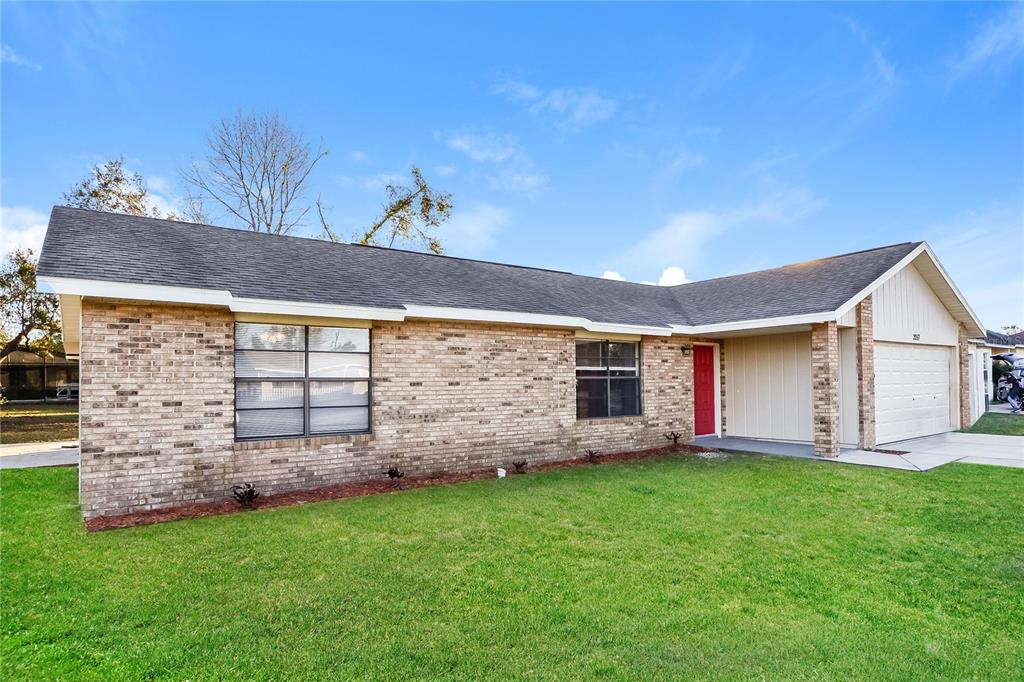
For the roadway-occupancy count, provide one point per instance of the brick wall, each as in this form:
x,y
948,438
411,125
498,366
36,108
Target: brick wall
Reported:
x,y
825,387
963,353
158,389
866,372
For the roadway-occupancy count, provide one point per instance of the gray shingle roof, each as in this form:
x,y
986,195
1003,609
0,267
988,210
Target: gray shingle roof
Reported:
x,y
112,247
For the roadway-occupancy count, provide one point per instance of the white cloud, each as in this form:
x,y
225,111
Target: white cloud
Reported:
x,y
471,232
684,234
886,70
981,251
445,170
21,227
8,55
999,40
516,90
485,146
521,182
516,173
357,156
703,130
580,107
672,276
573,108
374,182
378,181
685,160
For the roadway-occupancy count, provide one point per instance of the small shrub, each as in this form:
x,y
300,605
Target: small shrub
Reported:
x,y
245,494
396,475
520,466
593,457
673,436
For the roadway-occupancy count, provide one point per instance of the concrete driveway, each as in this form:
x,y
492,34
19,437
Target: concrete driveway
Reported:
x,y
25,455
969,448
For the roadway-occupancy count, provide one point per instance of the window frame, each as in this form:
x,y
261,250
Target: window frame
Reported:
x,y
608,378
305,381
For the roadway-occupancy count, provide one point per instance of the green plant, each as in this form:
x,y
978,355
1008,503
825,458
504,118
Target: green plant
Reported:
x,y
396,475
245,494
593,457
520,466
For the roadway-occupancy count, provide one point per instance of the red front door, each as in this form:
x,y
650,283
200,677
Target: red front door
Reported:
x,y
703,390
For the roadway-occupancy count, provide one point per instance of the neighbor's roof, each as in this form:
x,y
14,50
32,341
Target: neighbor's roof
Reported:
x,y
1008,340
110,247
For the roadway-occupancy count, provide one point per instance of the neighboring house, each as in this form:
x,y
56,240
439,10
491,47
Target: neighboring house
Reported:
x,y
212,356
26,376
982,349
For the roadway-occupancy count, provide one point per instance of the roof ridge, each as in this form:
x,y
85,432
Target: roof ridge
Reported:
x,y
798,263
352,244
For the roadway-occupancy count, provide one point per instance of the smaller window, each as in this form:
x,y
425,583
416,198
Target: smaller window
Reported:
x,y
607,379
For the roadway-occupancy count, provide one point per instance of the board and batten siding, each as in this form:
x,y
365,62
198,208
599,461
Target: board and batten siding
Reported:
x,y
905,306
768,381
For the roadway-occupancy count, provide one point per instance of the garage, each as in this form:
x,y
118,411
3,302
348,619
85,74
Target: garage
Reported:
x,y
912,390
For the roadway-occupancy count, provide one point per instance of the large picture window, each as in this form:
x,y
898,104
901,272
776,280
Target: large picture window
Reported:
x,y
607,379
293,380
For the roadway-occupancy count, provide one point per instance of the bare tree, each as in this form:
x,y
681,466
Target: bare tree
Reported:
x,y
256,170
408,216
111,187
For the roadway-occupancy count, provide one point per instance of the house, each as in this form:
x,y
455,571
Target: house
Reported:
x,y
27,376
982,350
211,356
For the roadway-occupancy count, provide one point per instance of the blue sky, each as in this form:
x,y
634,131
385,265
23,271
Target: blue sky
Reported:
x,y
644,140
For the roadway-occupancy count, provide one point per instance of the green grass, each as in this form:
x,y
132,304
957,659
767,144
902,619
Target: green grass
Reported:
x,y
680,568
999,424
38,422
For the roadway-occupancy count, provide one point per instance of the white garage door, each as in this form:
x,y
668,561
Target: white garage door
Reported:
x,y
912,391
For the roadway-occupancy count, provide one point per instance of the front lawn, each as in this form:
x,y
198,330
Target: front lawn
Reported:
x,y
999,424
38,422
743,567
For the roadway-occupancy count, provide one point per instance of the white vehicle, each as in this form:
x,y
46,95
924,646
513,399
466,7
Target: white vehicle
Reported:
x,y
67,391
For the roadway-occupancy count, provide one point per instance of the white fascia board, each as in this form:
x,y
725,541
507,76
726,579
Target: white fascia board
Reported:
x,y
530,319
924,247
953,286
215,297
132,291
879,281
259,305
740,325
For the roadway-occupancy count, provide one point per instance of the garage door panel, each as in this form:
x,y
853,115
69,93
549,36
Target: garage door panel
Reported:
x,y
912,391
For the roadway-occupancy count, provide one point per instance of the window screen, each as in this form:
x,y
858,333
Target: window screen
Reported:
x,y
293,380
607,379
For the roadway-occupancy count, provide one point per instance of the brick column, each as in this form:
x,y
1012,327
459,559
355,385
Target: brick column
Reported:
x,y
825,388
965,376
866,373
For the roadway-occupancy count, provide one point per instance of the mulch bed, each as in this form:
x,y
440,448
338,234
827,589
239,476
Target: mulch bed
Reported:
x,y
361,488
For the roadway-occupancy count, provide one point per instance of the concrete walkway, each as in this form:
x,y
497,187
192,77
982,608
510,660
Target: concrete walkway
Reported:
x,y
25,455
921,454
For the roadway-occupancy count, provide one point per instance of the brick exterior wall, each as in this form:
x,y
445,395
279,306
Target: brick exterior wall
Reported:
x,y
866,373
721,380
825,387
157,395
963,357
